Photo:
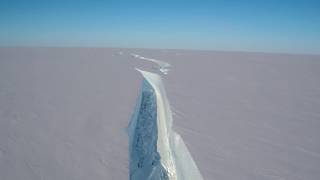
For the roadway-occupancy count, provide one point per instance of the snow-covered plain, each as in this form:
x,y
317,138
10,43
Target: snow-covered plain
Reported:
x,y
64,112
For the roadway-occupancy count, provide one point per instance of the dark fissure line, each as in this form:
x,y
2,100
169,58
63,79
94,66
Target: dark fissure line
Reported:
x,y
144,158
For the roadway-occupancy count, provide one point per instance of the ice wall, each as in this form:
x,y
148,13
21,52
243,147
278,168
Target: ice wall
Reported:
x,y
143,134
156,151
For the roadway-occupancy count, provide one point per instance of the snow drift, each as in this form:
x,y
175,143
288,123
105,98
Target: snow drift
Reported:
x,y
156,151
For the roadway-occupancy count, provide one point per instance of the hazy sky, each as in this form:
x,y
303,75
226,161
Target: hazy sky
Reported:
x,y
244,25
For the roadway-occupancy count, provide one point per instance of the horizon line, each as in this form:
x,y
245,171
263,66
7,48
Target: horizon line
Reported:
x,y
154,48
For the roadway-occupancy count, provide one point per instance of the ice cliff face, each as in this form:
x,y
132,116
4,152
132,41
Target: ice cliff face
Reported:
x,y
145,160
156,151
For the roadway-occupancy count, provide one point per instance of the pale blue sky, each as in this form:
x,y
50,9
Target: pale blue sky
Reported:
x,y
242,25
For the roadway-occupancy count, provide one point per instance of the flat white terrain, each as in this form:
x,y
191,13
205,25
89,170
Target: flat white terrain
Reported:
x,y
64,112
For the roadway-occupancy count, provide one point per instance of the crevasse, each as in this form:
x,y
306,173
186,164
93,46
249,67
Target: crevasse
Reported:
x,y
156,151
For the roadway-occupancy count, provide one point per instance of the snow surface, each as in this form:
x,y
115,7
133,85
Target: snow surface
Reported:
x,y
64,112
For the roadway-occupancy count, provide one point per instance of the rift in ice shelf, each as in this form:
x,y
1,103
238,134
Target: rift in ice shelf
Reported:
x,y
156,150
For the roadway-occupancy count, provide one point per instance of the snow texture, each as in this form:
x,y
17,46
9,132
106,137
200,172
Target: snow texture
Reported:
x,y
243,116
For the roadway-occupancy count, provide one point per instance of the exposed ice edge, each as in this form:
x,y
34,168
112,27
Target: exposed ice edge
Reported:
x,y
164,67
156,145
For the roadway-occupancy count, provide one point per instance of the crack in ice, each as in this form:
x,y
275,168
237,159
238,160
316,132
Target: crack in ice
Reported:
x,y
156,151
163,67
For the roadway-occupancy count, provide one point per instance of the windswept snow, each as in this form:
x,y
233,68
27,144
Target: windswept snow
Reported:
x,y
152,122
246,116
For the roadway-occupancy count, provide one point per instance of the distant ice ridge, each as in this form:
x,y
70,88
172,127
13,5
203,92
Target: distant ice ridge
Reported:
x,y
164,67
156,151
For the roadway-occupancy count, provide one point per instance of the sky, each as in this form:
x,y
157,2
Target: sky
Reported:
x,y
290,26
